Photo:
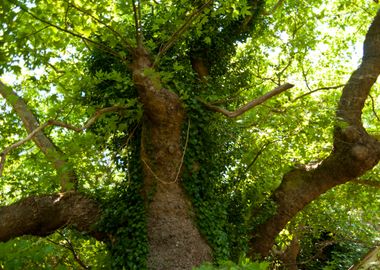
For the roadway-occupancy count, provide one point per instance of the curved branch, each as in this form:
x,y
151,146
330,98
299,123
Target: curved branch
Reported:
x,y
66,173
42,215
357,89
90,121
53,122
278,90
373,107
318,89
70,247
355,151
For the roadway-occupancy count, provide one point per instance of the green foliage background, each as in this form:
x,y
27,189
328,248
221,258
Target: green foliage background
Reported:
x,y
231,166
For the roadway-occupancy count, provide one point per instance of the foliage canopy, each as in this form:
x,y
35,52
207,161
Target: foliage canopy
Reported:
x,y
68,60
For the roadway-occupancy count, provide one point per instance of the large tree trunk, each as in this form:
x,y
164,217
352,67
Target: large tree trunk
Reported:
x,y
174,240
355,151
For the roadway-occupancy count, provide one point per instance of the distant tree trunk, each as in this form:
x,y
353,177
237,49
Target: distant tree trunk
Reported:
x,y
174,240
354,153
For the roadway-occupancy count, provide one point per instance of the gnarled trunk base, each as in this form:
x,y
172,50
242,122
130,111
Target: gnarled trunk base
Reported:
x,y
174,240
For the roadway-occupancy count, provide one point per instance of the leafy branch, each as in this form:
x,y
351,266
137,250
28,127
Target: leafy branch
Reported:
x,y
53,122
180,31
126,43
69,246
274,8
232,114
58,159
72,33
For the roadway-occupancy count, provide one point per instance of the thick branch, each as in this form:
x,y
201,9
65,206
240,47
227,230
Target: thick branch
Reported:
x,y
67,176
366,182
371,257
278,90
357,89
355,152
42,215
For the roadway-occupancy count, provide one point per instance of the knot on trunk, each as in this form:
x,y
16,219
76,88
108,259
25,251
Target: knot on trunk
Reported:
x,y
360,152
351,134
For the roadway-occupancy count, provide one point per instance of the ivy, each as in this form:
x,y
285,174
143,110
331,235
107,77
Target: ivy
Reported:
x,y
123,217
231,167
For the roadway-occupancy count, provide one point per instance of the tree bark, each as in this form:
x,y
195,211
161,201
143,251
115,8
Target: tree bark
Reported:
x,y
354,153
42,215
174,240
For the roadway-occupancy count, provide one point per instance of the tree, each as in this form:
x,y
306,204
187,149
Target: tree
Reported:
x,y
122,99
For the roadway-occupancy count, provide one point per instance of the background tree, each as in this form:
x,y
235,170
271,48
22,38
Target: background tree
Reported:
x,y
124,113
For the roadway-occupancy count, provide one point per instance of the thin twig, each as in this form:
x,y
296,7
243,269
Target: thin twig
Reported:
x,y
304,74
278,90
114,32
55,69
35,32
53,122
373,107
5,152
318,89
98,44
184,151
137,17
258,154
177,34
279,74
274,8
69,246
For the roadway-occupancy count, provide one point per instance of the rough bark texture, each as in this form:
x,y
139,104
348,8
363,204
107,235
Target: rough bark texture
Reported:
x,y
174,240
42,215
289,257
354,153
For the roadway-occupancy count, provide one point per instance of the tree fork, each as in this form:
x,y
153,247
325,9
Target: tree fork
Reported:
x,y
354,153
174,240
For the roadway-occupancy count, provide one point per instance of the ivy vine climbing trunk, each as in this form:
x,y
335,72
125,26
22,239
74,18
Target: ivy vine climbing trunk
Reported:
x,y
174,241
354,152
